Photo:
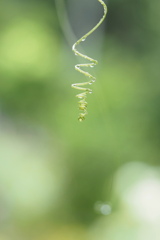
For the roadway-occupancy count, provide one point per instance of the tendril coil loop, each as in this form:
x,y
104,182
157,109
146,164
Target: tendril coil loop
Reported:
x,y
82,86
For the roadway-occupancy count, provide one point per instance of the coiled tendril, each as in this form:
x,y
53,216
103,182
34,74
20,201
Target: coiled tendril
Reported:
x,y
80,86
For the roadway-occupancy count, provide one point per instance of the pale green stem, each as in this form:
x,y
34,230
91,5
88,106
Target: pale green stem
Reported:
x,y
79,86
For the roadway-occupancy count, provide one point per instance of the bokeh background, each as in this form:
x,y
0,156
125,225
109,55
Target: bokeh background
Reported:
x,y
61,179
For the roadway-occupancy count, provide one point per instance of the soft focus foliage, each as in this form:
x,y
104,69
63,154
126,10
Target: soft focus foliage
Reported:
x,y
61,179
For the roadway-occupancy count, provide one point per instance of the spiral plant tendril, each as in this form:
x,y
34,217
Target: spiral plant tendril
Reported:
x,y
81,86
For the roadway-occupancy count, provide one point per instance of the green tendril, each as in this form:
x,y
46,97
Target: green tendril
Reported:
x,y
81,86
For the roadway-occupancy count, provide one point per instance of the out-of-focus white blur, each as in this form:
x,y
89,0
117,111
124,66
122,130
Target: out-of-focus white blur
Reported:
x,y
137,197
30,178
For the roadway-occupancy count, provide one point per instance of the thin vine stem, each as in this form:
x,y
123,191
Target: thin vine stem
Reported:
x,y
81,86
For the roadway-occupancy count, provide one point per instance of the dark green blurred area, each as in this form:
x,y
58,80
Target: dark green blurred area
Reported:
x,y
55,170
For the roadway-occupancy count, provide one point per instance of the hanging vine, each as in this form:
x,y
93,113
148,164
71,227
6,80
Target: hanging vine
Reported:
x,y
83,86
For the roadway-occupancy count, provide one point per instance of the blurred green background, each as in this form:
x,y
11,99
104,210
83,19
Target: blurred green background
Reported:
x,y
65,180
